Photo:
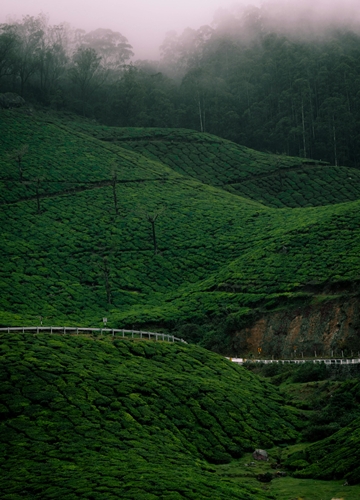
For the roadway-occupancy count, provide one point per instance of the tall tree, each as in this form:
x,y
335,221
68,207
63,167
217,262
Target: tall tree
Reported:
x,y
30,34
53,61
8,43
87,75
113,48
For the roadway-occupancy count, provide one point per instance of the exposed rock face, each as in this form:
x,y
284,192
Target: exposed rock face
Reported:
x,y
261,455
326,329
11,100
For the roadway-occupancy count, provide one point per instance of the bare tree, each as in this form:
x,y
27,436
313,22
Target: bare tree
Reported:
x,y
114,181
38,196
18,155
104,266
30,34
152,218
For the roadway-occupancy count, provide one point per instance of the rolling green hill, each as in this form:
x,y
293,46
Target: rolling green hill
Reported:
x,y
83,418
101,419
77,217
274,180
169,230
336,456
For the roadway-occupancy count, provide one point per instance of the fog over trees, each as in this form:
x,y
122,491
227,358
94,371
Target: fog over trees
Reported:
x,y
276,78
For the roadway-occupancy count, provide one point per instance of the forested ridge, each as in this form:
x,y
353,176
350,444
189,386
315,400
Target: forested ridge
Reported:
x,y
271,86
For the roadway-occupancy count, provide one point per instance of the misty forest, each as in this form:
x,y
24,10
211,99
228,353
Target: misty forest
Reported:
x,y
180,261
244,79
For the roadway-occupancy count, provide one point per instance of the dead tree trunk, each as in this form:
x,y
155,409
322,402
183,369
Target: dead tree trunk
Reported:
x,y
18,156
152,222
38,196
114,182
152,219
106,273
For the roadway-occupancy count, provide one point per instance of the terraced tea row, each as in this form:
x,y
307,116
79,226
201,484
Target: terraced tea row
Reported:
x,y
169,254
274,180
83,418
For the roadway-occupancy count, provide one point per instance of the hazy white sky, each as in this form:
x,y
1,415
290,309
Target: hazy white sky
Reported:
x,y
145,22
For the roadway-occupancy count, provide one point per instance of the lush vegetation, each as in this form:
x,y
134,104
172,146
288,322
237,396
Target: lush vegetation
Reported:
x,y
334,457
273,180
101,418
181,231
240,472
93,229
335,426
330,397
84,418
273,80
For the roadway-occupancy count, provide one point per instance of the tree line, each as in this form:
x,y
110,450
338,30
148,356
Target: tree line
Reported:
x,y
243,78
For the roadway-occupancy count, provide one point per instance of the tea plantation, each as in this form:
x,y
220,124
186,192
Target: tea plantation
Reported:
x,y
336,456
84,418
178,232
102,419
95,226
274,180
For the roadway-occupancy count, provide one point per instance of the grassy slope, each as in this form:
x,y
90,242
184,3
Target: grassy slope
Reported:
x,y
289,487
84,418
274,180
332,458
330,398
219,253
336,456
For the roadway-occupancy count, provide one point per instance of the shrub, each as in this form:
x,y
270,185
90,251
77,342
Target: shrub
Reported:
x,y
310,372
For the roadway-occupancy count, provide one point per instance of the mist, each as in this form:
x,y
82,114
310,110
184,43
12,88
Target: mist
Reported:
x,y
146,23
274,76
309,16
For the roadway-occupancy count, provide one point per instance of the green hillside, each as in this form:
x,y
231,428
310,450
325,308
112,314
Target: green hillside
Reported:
x,y
336,456
274,180
100,419
73,251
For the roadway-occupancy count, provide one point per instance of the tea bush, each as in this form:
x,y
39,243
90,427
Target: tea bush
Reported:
x,y
72,254
84,418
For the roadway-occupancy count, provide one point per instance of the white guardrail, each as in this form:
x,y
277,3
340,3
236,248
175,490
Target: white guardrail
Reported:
x,y
334,361
122,333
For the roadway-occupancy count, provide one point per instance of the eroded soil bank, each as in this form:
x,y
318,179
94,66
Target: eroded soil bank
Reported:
x,y
331,328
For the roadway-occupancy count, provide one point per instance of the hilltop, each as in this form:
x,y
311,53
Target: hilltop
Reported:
x,y
79,210
274,180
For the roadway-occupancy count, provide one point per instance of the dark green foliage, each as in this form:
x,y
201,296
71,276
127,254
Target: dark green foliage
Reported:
x,y
265,478
331,419
82,417
335,412
220,259
274,180
310,372
335,457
